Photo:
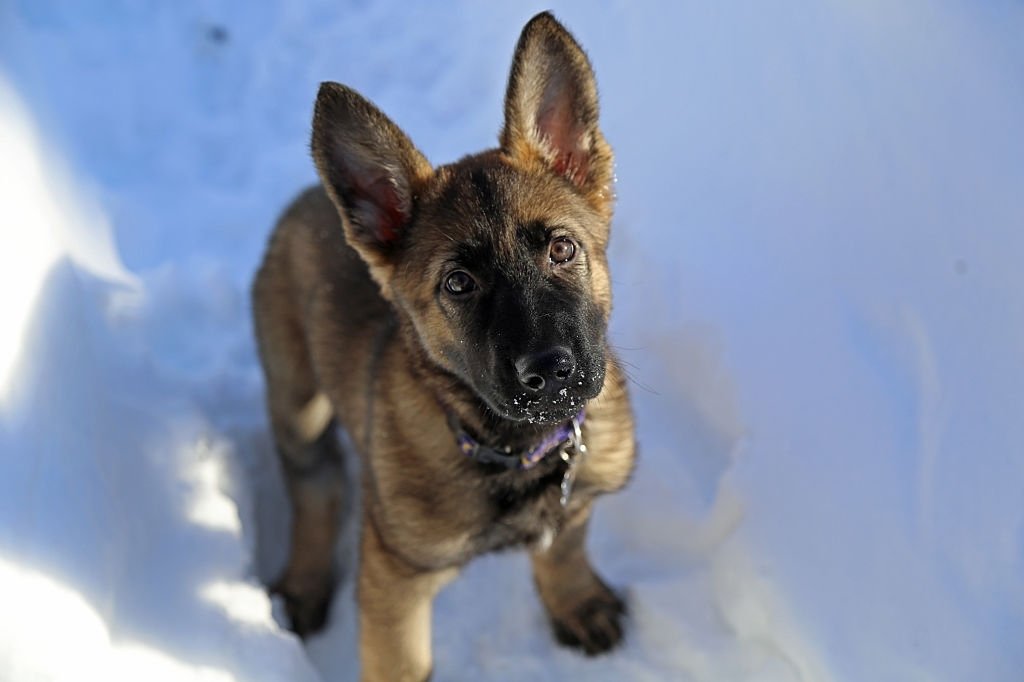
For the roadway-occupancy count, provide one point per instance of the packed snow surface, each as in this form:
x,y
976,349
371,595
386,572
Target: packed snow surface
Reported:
x,y
817,262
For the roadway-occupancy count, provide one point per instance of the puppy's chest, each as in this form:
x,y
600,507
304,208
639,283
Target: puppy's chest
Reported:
x,y
521,512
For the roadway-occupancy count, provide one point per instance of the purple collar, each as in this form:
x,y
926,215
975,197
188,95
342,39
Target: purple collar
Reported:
x,y
568,434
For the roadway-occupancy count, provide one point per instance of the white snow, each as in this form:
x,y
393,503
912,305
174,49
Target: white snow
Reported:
x,y
817,262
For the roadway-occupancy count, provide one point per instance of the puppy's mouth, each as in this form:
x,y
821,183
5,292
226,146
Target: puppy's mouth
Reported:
x,y
538,411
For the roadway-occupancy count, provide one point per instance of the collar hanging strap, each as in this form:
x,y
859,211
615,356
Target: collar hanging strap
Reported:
x,y
568,434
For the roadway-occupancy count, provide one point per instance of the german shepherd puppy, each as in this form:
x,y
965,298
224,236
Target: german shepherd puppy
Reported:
x,y
453,321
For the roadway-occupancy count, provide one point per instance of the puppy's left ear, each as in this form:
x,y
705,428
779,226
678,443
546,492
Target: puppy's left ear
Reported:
x,y
551,111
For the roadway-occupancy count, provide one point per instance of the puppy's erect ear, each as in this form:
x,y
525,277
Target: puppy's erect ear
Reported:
x,y
551,110
370,169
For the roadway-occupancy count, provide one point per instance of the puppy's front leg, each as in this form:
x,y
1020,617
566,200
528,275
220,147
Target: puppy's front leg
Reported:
x,y
585,613
395,602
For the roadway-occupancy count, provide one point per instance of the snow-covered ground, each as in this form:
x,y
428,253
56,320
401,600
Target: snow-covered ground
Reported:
x,y
817,260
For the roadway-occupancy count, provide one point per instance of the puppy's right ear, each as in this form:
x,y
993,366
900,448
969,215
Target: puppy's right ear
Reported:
x,y
370,168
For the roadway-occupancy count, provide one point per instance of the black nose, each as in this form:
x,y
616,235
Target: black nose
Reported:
x,y
547,370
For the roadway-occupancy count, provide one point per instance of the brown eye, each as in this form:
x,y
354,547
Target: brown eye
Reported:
x,y
561,250
459,282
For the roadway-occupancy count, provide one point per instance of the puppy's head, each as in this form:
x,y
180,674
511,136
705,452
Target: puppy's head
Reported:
x,y
497,262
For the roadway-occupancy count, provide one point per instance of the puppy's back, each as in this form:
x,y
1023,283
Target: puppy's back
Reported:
x,y
317,312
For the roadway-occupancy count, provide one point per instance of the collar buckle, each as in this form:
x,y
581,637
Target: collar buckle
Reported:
x,y
571,453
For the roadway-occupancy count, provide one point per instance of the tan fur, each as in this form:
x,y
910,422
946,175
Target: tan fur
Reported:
x,y
344,322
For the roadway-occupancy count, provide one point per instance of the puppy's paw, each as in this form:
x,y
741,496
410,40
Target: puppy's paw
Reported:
x,y
595,624
307,607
